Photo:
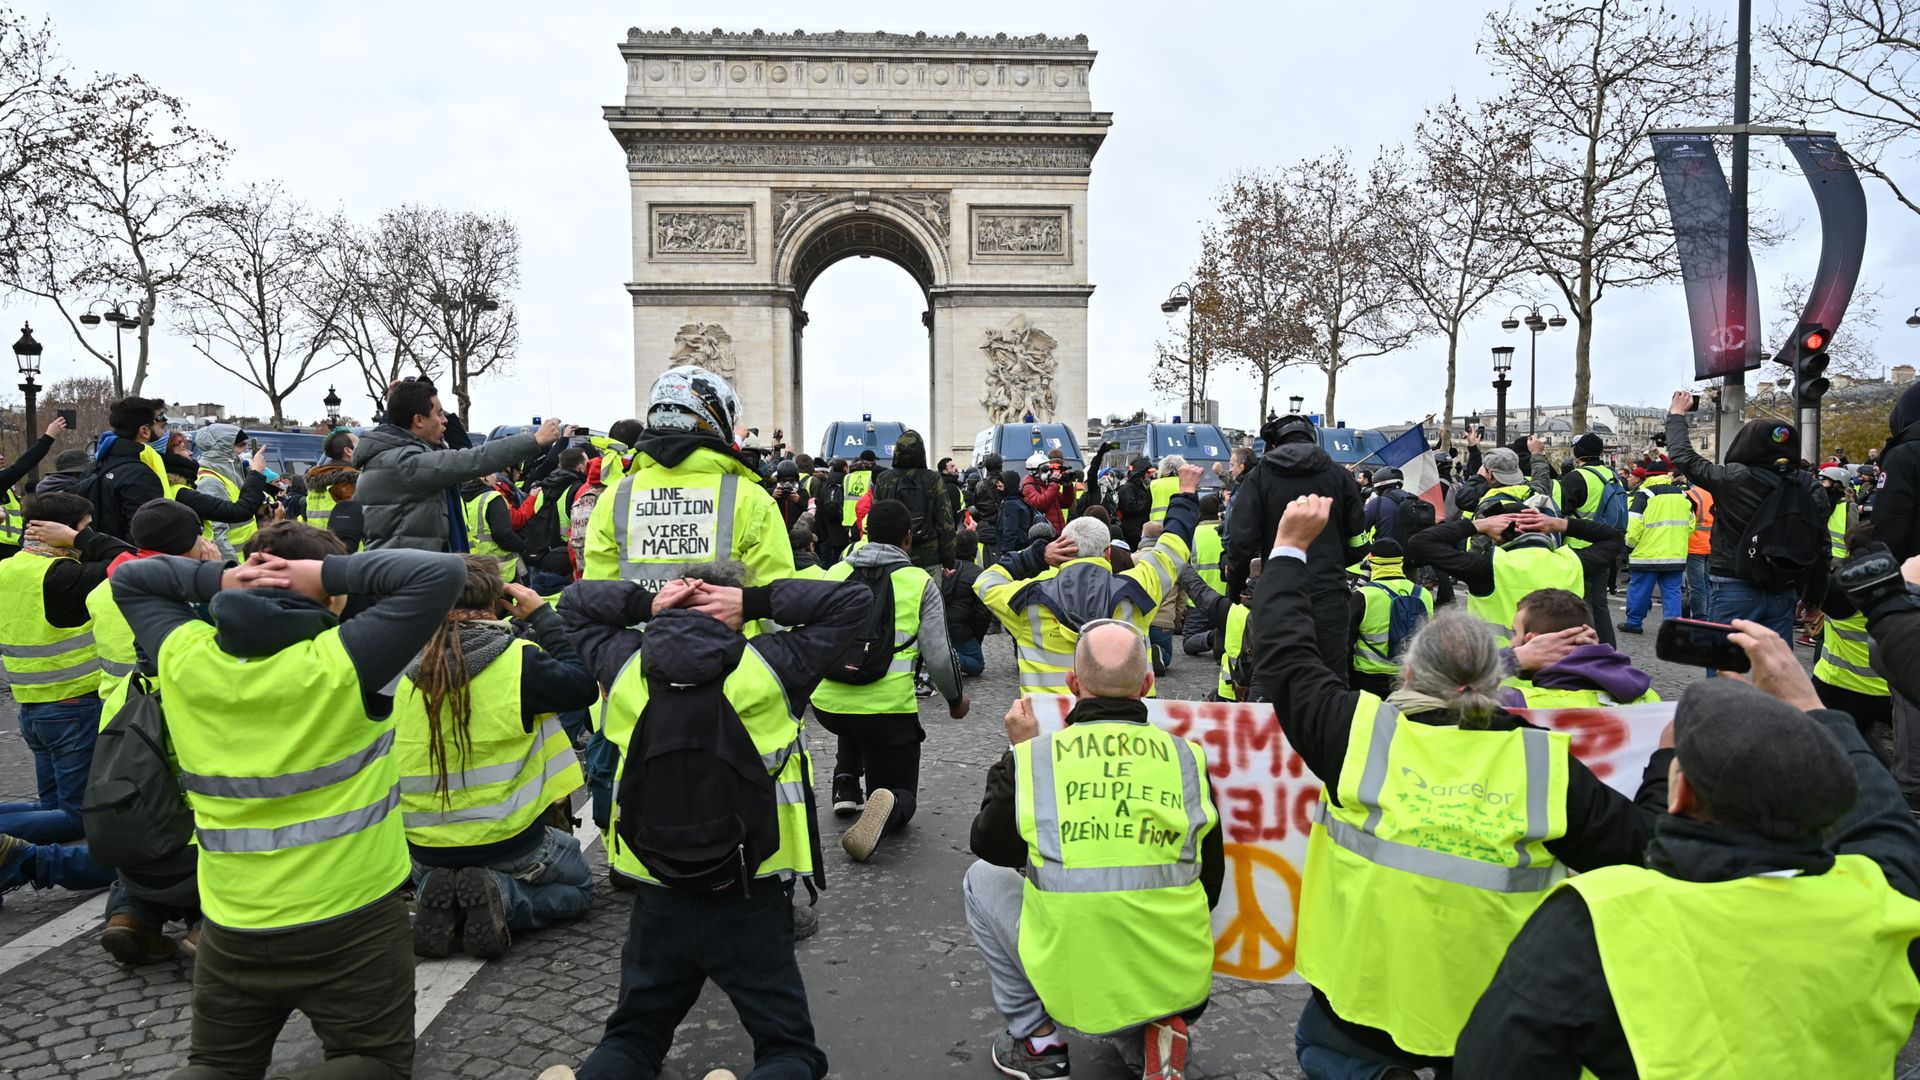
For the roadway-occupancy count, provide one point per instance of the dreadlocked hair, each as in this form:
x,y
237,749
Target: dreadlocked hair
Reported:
x,y
444,682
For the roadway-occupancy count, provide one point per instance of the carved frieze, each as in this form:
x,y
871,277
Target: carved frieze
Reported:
x,y
1021,369
934,208
1020,234
665,154
707,345
702,232
790,206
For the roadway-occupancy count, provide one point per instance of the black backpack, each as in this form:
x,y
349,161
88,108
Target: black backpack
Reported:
x,y
542,533
867,656
134,812
1414,517
912,491
696,803
1784,538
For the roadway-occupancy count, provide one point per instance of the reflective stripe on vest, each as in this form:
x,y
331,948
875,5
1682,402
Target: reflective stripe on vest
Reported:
x,y
295,817
892,693
1837,529
1427,865
44,662
1162,491
1846,657
480,537
320,504
685,529
1113,873
112,639
241,532
1678,957
760,699
13,522
1207,556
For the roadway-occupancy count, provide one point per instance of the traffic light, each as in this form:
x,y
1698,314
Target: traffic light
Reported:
x,y
1809,361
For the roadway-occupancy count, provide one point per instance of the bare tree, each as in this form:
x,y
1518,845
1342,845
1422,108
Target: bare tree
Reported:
x,y
1350,302
1250,306
1850,354
1167,379
1588,80
32,94
252,301
1854,64
459,267
1441,238
375,320
124,177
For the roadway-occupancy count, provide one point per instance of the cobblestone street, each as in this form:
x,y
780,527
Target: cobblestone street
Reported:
x,y
896,986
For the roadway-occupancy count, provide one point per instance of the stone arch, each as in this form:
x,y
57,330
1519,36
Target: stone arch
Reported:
x,y
859,223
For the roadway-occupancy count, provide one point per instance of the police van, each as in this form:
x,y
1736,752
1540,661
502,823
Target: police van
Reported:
x,y
1201,444
847,439
1015,443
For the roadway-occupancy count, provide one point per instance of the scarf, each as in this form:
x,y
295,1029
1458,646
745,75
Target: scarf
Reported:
x,y
49,551
482,641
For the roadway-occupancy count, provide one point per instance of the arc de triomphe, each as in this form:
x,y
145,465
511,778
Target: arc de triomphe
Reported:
x,y
757,160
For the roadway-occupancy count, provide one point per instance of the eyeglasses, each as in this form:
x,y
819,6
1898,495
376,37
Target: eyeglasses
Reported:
x,y
1097,623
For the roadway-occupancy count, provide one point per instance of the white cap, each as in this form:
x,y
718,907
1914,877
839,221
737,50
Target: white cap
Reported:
x,y
1038,459
1835,473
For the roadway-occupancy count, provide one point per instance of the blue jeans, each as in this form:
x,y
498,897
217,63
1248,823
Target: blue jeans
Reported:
x,y
1327,1053
1697,603
972,660
678,940
44,866
61,736
1732,598
1640,594
602,760
549,885
1161,643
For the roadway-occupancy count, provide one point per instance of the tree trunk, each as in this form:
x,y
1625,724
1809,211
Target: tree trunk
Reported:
x,y
460,393
1453,351
1582,370
279,404
1266,385
1333,382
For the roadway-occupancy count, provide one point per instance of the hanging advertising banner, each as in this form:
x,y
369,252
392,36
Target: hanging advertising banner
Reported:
x,y
1702,211
1843,229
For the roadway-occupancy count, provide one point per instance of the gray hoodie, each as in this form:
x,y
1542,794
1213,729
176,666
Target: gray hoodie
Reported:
x,y
408,490
215,443
936,652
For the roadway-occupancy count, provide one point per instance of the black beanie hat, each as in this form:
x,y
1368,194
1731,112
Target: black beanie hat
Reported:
x,y
1588,445
1387,549
166,526
1759,763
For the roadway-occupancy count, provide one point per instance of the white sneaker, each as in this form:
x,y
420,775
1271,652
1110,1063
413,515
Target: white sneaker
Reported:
x,y
721,1074
557,1072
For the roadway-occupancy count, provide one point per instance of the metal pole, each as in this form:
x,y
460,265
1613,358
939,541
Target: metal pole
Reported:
x,y
1735,390
1189,416
1533,379
1500,410
32,390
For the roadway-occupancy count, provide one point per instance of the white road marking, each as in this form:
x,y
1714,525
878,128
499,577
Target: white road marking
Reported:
x,y
82,917
437,982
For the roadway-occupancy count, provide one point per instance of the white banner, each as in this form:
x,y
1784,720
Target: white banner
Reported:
x,y
1265,797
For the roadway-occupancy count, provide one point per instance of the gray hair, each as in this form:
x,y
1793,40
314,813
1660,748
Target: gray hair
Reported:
x,y
1172,464
1110,659
1090,537
724,572
1456,659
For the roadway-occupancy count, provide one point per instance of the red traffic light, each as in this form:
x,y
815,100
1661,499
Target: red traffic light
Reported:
x,y
1814,341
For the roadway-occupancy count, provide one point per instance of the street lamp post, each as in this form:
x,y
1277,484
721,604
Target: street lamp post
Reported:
x,y
1182,297
1535,323
26,353
1295,403
332,402
122,322
1502,364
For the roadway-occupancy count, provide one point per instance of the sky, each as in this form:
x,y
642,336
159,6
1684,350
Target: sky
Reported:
x,y
496,106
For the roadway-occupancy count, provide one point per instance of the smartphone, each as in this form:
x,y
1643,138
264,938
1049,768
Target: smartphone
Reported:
x,y
1698,643
1695,407
536,421
71,416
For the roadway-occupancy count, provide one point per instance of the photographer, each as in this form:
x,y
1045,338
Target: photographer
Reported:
x,y
787,493
1046,490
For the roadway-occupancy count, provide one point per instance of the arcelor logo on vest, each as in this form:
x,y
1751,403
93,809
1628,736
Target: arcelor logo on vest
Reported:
x,y
1441,791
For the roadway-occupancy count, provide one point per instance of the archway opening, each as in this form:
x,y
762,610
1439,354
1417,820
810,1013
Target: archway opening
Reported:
x,y
862,346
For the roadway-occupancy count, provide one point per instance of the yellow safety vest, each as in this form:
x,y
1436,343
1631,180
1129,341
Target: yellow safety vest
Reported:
x,y
1658,533
1698,992
1231,670
480,539
113,643
44,662
13,521
293,786
1518,491
1207,550
1598,477
1846,657
1542,698
757,695
1114,927
892,692
1162,489
320,504
1372,650
237,534
1420,875
710,506
1522,570
1837,527
851,490
502,782
1042,645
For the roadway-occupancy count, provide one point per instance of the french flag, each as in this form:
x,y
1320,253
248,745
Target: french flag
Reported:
x,y
1419,474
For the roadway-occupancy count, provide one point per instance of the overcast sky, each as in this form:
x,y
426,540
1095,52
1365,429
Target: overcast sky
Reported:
x,y
496,106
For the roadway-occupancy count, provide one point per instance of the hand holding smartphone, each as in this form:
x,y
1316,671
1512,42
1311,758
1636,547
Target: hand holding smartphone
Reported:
x,y
1699,643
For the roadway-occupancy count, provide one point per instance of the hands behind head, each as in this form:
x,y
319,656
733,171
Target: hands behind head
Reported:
x,y
1545,650
1531,520
1062,551
1775,669
1303,521
51,532
263,571
721,602
522,602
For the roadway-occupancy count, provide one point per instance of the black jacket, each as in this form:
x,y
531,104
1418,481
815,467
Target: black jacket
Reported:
x,y
967,618
910,463
1738,489
995,836
986,509
1440,547
1287,472
120,484
1548,1012
1896,506
1316,712
1133,507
